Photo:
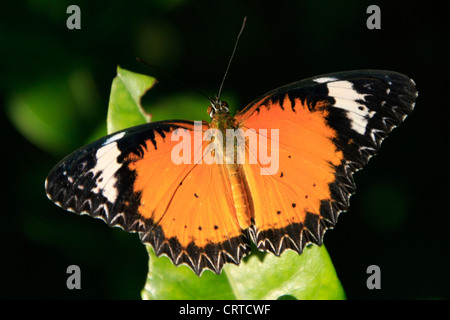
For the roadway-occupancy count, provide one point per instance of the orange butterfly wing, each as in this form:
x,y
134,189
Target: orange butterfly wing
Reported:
x,y
129,179
194,214
287,204
328,127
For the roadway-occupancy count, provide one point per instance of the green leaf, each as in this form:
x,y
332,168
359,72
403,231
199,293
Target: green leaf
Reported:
x,y
125,109
310,275
261,276
165,281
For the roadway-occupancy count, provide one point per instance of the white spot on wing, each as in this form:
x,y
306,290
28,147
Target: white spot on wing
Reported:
x,y
324,79
347,98
114,138
107,164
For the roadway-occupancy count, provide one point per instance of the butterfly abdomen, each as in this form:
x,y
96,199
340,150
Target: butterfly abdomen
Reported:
x,y
231,158
239,195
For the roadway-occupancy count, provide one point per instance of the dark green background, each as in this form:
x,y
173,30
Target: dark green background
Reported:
x,y
398,219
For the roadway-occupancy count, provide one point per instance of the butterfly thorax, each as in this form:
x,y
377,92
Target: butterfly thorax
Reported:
x,y
222,121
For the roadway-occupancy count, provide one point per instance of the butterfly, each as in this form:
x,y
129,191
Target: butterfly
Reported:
x,y
318,132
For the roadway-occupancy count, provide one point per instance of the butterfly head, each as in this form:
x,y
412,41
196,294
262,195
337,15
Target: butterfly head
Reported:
x,y
217,107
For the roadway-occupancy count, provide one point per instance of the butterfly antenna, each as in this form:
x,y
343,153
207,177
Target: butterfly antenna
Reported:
x,y
232,55
173,78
